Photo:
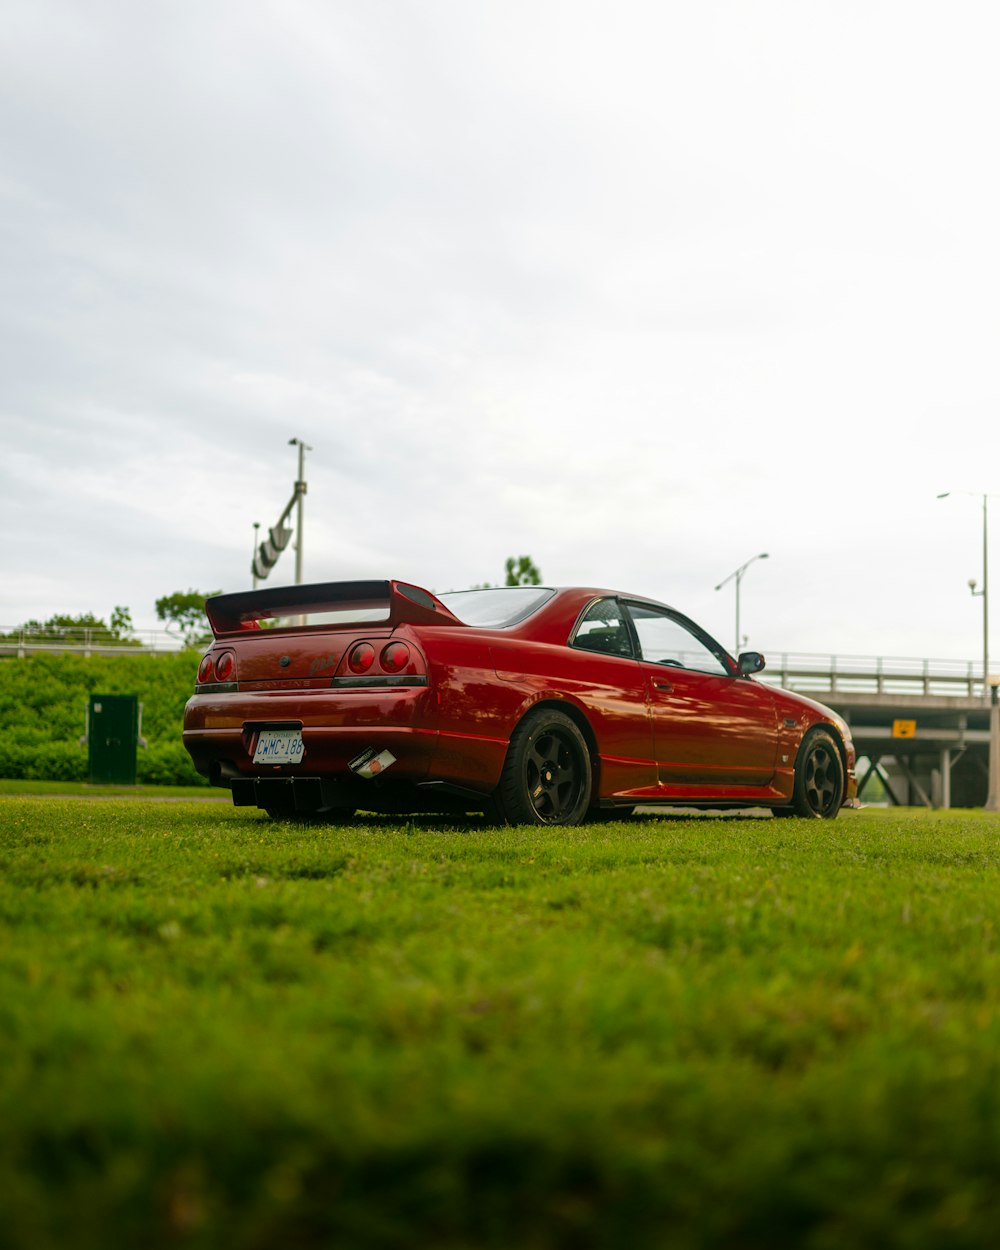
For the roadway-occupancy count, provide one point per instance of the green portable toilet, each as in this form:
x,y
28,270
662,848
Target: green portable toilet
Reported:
x,y
112,737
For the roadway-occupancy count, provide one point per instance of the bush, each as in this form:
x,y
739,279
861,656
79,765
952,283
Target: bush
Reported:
x,y
43,761
43,707
166,764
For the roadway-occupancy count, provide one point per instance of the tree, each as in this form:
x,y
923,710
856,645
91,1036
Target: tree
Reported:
x,y
522,572
84,627
183,613
121,623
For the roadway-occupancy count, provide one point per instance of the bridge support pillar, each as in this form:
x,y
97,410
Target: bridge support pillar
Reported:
x,y
945,796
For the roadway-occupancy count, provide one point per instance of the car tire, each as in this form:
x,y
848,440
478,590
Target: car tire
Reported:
x,y
546,776
819,777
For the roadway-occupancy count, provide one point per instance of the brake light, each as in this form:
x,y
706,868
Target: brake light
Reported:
x,y
381,662
362,657
395,657
225,666
217,666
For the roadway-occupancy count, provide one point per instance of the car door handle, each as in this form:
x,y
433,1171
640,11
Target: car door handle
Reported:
x,y
665,686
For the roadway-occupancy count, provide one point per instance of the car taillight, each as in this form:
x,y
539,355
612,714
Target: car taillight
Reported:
x,y
362,657
225,666
374,662
395,657
217,666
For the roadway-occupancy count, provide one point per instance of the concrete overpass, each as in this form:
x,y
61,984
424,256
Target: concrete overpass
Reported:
x,y
921,727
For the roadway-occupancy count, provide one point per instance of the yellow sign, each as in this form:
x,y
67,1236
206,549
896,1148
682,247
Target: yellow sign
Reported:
x,y
904,728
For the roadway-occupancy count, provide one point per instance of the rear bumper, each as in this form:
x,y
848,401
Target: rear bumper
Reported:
x,y
225,755
220,733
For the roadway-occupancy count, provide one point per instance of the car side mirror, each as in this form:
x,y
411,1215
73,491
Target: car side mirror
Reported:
x,y
750,662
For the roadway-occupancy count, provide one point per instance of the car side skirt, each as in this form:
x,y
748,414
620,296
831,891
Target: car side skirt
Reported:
x,y
776,794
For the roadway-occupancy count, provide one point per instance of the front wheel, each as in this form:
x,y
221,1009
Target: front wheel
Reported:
x,y
819,777
546,776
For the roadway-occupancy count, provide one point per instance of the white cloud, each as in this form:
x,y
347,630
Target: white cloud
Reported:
x,y
637,289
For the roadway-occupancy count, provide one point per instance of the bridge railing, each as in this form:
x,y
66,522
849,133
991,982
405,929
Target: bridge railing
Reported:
x,y
84,640
863,674
810,673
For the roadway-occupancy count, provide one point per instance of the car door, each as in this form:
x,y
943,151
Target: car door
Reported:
x,y
710,728
599,673
608,681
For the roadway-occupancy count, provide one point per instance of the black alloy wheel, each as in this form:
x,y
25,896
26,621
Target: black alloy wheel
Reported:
x,y
819,777
546,776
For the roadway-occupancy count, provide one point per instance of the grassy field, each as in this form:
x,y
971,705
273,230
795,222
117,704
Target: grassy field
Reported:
x,y
219,1031
85,789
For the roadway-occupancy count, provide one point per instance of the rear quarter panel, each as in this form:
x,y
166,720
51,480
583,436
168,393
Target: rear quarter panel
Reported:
x,y
471,711
487,683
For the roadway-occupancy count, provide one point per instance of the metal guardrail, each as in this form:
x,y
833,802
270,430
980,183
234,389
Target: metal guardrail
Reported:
x,y
808,672
877,675
85,641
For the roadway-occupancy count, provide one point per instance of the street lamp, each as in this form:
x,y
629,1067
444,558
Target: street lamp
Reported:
x,y
300,490
984,593
253,554
738,574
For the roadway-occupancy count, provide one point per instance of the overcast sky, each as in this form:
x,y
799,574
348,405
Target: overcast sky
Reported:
x,y
639,288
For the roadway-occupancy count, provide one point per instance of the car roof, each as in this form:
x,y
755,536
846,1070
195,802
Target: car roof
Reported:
x,y
553,620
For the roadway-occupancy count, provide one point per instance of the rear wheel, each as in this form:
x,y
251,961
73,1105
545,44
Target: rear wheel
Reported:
x,y
546,776
819,777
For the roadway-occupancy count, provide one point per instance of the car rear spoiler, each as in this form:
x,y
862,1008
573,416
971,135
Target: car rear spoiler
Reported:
x,y
376,603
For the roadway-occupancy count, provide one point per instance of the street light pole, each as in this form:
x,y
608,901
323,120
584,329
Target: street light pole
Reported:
x,y
986,603
300,491
738,574
253,554
992,797
984,593
990,684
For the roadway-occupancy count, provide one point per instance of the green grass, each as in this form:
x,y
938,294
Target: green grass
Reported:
x,y
219,1031
88,790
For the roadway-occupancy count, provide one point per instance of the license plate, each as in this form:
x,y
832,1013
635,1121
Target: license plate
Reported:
x,y
279,746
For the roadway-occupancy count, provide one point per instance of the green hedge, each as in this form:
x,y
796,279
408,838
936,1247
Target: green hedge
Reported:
x,y
43,705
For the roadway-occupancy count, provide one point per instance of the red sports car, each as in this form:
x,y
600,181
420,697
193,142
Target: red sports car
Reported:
x,y
533,704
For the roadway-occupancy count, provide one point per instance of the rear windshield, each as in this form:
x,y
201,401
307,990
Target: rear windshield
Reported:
x,y
497,607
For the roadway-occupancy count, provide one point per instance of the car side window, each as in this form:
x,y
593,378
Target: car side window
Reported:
x,y
663,639
603,628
